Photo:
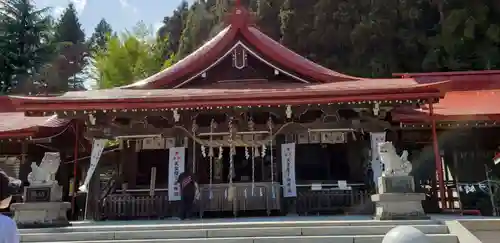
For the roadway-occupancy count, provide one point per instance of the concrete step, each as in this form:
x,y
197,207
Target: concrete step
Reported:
x,y
289,231
435,238
209,224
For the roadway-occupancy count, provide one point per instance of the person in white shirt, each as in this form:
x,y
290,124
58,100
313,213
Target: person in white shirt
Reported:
x,y
8,228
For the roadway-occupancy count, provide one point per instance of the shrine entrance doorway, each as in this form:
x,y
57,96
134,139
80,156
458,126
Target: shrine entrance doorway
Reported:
x,y
322,163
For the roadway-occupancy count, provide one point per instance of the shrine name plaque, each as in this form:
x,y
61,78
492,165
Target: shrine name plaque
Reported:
x,y
38,194
396,184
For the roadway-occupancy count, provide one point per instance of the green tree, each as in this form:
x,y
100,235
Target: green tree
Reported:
x,y
468,38
268,16
199,24
130,57
297,19
102,32
72,48
25,45
361,37
172,28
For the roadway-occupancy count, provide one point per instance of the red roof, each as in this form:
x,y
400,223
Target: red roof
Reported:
x,y
359,90
16,124
460,81
240,29
326,86
477,105
472,95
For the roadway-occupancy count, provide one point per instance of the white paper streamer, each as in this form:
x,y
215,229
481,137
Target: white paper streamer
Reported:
x,y
97,148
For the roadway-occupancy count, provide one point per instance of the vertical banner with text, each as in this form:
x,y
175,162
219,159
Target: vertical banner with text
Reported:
x,y
288,169
175,168
376,163
95,156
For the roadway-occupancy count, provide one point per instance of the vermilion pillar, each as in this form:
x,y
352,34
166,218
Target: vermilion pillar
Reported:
x,y
75,168
437,157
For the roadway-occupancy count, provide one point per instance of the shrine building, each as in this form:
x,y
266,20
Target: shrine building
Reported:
x,y
289,135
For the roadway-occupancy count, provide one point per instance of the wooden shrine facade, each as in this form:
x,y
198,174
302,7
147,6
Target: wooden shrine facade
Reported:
x,y
467,123
232,105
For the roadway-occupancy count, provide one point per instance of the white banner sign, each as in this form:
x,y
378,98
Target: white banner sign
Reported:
x,y
95,156
288,169
377,166
175,168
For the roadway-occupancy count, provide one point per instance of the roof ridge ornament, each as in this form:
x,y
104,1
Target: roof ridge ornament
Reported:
x,y
240,16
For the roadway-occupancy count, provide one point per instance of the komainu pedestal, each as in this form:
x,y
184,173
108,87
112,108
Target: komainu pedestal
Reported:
x,y
41,214
396,198
42,206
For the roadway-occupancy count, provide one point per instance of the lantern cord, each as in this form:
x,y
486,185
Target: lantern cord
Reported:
x,y
253,168
273,189
211,155
231,152
194,129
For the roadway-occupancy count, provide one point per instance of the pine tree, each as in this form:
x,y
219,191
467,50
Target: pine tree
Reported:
x,y
24,43
69,29
102,32
72,46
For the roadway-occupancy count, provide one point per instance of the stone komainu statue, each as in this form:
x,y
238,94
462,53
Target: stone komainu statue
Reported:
x,y
45,173
394,165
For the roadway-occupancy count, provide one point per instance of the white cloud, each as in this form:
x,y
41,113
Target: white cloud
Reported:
x,y
79,5
126,4
57,11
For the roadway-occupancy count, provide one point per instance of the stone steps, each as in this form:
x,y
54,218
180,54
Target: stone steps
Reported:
x,y
217,224
282,239
254,232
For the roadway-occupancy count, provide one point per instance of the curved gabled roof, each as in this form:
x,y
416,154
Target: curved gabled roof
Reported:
x,y
336,92
240,26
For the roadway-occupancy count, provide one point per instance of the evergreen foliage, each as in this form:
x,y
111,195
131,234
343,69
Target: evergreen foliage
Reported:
x,y
359,37
72,49
102,32
130,57
24,43
364,37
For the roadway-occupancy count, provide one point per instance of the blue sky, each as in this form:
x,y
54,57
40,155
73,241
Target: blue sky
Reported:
x,y
121,14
